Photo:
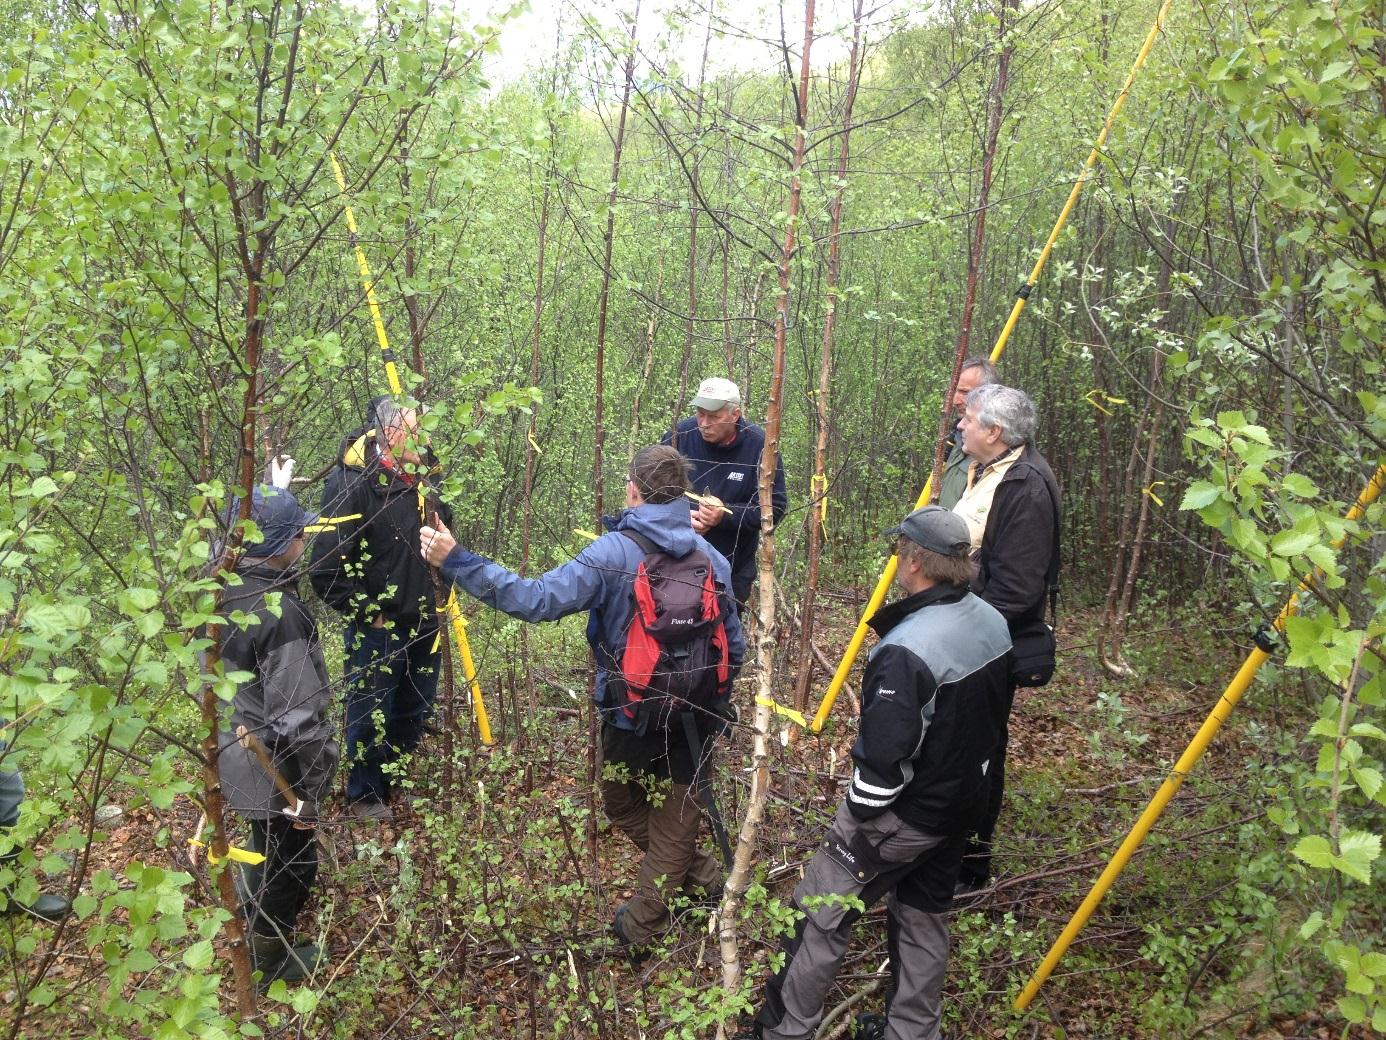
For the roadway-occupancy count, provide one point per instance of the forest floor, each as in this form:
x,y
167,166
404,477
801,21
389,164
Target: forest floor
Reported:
x,y
482,910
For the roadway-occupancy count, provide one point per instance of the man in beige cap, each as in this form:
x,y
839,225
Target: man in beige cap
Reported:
x,y
723,450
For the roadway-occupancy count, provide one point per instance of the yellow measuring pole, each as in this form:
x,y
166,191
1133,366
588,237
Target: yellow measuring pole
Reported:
x,y
453,611
1183,767
878,596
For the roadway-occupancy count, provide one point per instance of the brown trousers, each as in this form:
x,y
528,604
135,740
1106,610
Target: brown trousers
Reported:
x,y
662,818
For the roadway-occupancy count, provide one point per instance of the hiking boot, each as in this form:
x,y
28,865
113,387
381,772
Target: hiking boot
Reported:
x,y
968,889
47,907
869,1026
372,812
278,962
633,953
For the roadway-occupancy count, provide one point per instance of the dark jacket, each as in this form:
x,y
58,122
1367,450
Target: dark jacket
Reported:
x,y
934,703
1019,558
599,579
732,473
284,703
370,563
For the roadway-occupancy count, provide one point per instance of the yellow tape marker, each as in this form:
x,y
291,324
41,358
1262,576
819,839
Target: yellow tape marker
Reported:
x,y
1151,492
780,709
232,853
591,536
1092,395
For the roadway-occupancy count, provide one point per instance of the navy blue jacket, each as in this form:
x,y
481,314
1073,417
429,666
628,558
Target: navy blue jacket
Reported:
x,y
732,473
598,580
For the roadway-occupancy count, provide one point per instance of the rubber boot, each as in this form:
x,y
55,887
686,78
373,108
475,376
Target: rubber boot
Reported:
x,y
47,907
280,963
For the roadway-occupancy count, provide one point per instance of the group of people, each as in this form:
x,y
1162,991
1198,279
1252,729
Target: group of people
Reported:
x,y
663,589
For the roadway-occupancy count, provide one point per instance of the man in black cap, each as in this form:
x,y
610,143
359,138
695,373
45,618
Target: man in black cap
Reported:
x,y
933,703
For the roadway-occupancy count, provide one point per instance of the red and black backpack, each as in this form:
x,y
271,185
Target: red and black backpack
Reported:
x,y
676,656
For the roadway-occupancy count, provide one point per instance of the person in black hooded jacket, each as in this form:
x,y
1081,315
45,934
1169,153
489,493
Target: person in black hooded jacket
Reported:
x,y
366,566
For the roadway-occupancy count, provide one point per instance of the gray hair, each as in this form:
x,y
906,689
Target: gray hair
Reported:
x,y
984,365
1006,407
389,414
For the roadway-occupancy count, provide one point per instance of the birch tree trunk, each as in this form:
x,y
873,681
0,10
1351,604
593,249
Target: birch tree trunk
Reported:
x,y
765,632
599,429
978,242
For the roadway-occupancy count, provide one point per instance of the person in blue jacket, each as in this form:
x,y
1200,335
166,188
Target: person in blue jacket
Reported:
x,y
600,580
724,449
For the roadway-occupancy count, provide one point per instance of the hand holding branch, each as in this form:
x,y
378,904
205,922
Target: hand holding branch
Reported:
x,y
435,543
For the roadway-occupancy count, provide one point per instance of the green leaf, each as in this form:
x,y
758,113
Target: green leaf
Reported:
x,y
304,1000
198,956
1314,850
1299,485
1311,925
43,487
1359,850
1295,542
1369,780
1354,1009
1200,494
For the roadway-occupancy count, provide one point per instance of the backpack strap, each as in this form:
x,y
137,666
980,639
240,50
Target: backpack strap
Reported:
x,y
640,540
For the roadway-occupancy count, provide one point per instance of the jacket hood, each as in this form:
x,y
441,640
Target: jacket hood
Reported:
x,y
669,526
358,448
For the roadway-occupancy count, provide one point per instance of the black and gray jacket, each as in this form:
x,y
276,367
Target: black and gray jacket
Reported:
x,y
934,704
285,702
1019,558
369,562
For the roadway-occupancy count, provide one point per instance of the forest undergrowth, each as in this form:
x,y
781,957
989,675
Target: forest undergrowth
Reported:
x,y
482,910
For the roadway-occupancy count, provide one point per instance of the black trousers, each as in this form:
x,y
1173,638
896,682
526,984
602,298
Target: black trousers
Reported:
x,y
976,865
279,887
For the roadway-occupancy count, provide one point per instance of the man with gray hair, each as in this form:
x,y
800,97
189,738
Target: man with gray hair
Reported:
x,y
366,566
975,372
1011,506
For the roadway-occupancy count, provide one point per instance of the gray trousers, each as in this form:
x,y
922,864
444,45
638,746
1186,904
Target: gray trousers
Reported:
x,y
862,861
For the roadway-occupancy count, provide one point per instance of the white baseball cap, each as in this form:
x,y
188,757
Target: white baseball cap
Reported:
x,y
715,394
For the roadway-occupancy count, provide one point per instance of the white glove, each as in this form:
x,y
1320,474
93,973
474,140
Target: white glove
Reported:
x,y
281,471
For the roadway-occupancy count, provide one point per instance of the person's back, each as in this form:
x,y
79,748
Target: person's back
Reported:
x,y
662,763
276,750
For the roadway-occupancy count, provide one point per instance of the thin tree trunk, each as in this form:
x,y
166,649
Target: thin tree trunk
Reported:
x,y
604,299
977,244
599,430
739,878
694,211
212,801
532,429
818,486
1117,612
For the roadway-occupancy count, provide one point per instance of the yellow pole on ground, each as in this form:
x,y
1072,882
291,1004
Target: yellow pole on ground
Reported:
x,y
453,610
1022,295
1184,766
